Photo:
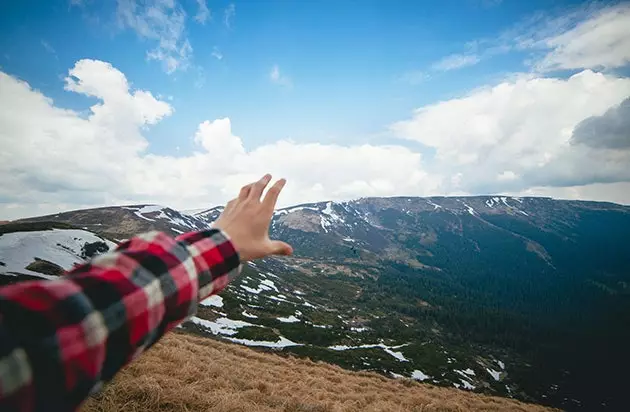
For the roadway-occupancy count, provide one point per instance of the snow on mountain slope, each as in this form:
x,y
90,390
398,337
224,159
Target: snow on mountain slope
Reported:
x,y
122,222
63,247
178,222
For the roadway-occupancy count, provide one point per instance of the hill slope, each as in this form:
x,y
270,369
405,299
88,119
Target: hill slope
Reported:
x,y
519,297
187,373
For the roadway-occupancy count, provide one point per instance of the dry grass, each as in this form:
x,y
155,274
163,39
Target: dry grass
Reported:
x,y
190,373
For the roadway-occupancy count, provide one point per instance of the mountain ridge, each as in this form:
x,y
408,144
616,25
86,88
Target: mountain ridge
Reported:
x,y
495,294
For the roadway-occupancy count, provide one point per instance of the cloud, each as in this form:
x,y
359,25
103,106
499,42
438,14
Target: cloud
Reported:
x,y
590,36
163,23
276,77
228,15
610,192
49,48
103,158
456,61
601,41
517,137
518,134
203,13
216,53
610,130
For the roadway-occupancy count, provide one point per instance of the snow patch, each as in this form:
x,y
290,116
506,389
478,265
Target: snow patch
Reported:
x,y
419,375
249,315
468,208
387,349
222,326
151,209
363,329
467,385
290,319
280,343
59,246
214,300
496,375
435,205
269,283
264,285
279,299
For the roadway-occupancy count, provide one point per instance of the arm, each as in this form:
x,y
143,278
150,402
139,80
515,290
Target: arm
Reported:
x,y
60,340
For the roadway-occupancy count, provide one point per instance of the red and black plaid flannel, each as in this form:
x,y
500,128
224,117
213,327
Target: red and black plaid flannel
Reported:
x,y
60,340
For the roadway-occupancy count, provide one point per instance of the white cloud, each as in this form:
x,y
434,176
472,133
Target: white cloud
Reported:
x,y
589,36
228,15
456,61
517,134
611,192
203,13
65,160
216,53
514,137
507,175
601,41
276,77
163,22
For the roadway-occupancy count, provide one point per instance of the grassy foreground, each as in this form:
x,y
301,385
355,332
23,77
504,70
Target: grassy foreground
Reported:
x,y
190,373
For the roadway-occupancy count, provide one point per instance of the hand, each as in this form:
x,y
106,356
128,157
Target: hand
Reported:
x,y
246,221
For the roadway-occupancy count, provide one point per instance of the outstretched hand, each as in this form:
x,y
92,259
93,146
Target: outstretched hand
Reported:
x,y
246,221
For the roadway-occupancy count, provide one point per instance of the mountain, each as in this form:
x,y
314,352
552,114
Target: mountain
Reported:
x,y
121,222
45,249
520,297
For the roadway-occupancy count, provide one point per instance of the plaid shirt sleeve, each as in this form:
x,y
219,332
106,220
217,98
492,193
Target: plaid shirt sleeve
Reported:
x,y
60,340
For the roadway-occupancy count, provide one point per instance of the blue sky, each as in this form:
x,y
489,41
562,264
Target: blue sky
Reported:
x,y
333,73
347,61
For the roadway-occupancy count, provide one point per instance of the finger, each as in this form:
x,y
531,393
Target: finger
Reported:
x,y
258,187
271,198
228,207
245,191
279,247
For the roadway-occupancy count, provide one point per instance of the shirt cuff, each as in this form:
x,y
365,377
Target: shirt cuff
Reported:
x,y
216,260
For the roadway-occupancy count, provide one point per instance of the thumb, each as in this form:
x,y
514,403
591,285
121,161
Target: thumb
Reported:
x,y
281,248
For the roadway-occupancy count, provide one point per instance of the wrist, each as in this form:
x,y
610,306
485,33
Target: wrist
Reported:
x,y
215,257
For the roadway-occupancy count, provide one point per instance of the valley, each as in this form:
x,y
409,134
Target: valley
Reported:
x,y
526,298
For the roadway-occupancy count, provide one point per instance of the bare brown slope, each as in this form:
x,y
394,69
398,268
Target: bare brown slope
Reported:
x,y
190,373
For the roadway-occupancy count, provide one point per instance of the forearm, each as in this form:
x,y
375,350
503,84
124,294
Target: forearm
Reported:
x,y
61,339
